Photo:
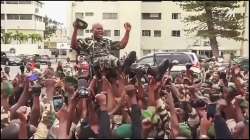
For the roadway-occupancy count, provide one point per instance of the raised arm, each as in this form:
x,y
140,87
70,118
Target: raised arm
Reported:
x,y
125,38
74,37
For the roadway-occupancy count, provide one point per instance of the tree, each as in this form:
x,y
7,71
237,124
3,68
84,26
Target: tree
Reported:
x,y
213,20
50,27
35,37
19,36
7,37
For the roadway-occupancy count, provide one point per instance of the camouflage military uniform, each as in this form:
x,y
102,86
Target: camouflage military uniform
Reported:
x,y
98,51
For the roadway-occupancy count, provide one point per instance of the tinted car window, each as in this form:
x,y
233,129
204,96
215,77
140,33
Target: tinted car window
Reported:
x,y
146,60
182,58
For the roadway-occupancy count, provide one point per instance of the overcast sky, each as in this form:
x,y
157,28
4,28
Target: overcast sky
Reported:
x,y
57,10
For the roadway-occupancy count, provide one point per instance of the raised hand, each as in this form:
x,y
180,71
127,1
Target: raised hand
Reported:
x,y
205,123
127,26
23,113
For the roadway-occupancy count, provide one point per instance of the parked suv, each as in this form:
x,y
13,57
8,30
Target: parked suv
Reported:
x,y
182,58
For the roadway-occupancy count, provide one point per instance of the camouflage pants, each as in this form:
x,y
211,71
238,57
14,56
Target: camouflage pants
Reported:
x,y
108,61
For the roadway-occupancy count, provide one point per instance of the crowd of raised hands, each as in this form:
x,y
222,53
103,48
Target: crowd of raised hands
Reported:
x,y
160,106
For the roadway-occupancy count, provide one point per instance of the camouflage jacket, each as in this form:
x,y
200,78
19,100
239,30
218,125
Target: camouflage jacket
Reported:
x,y
94,49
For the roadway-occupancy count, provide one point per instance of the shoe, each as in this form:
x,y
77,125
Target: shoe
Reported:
x,y
159,71
130,59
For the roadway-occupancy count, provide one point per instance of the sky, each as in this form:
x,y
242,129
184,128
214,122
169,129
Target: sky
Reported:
x,y
57,10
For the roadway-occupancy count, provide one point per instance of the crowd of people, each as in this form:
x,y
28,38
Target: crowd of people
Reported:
x,y
102,97
213,106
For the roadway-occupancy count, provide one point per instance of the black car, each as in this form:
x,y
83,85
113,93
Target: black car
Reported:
x,y
155,59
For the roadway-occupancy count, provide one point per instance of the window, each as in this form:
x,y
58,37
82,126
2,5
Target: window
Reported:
x,y
147,60
206,43
176,33
116,32
79,15
146,33
176,15
145,52
109,15
89,14
157,33
24,2
107,33
13,16
2,16
156,16
25,17
38,18
11,2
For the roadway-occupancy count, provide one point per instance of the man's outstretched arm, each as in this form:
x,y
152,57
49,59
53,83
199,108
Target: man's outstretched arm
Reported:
x,y
74,37
125,38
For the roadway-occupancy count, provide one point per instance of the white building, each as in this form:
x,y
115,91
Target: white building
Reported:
x,y
156,25
22,16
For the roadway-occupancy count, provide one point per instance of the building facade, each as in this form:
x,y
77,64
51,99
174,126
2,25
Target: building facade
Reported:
x,y
22,16
156,26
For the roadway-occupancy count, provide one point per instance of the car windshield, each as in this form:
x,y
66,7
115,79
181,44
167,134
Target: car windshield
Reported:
x,y
182,58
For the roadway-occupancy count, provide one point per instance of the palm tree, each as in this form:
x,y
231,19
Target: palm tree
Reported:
x,y
35,37
25,38
17,36
32,37
7,37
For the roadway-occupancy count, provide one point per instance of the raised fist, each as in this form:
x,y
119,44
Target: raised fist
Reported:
x,y
127,26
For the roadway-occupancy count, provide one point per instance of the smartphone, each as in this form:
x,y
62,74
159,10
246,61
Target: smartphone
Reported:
x,y
211,110
33,77
57,103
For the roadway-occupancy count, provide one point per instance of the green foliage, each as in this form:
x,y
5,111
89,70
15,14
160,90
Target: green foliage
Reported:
x,y
6,37
50,27
20,37
35,37
226,27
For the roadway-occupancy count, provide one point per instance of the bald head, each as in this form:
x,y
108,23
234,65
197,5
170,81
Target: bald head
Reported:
x,y
96,25
97,30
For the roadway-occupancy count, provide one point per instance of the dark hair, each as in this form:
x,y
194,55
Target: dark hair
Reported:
x,y
22,67
12,131
72,80
199,103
